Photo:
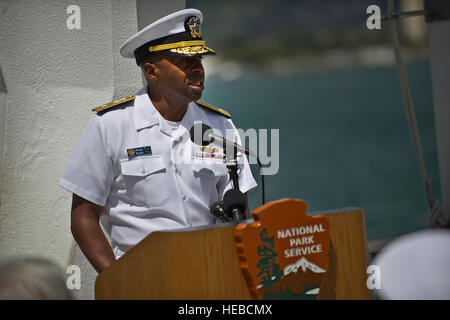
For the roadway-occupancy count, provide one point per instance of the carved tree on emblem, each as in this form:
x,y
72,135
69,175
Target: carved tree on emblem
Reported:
x,y
270,272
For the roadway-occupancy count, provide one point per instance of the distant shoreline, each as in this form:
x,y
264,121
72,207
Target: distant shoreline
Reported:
x,y
370,57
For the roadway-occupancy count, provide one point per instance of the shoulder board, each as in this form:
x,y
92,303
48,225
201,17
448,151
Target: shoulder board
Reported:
x,y
214,109
113,104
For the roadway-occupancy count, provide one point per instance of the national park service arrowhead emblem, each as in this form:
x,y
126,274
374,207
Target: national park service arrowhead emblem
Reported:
x,y
283,254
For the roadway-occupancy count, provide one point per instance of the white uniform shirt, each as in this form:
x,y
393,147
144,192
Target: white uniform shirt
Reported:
x,y
170,188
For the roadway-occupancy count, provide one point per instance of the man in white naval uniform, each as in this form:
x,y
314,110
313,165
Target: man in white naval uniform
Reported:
x,y
135,168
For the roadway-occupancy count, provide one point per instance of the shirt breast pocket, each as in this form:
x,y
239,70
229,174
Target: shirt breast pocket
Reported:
x,y
145,178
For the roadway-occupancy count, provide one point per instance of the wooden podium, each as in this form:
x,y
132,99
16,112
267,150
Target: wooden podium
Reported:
x,y
203,263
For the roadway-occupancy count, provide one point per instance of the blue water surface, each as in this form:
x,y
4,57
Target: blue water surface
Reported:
x,y
344,140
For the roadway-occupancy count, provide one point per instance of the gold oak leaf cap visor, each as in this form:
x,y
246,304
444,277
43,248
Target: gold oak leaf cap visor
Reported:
x,y
179,33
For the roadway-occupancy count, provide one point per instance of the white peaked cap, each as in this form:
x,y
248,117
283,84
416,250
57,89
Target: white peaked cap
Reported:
x,y
416,266
172,24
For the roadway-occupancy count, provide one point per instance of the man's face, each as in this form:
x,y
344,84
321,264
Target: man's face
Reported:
x,y
182,77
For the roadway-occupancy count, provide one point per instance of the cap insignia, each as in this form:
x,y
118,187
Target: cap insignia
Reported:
x,y
195,26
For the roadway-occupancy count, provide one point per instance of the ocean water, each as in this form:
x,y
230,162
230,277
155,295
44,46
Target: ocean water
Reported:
x,y
344,140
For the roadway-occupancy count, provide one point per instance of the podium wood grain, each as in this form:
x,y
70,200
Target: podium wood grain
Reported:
x,y
183,265
348,257
204,264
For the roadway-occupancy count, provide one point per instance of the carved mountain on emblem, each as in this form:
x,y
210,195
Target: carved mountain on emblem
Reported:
x,y
300,278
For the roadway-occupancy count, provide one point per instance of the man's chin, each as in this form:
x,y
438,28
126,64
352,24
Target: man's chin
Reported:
x,y
196,95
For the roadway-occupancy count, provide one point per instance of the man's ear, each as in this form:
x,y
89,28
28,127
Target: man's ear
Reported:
x,y
151,71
